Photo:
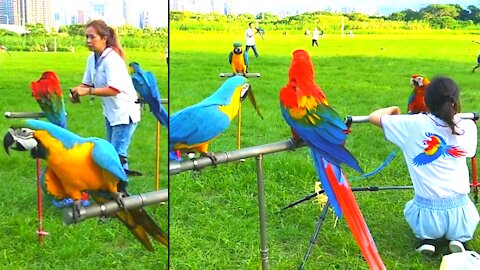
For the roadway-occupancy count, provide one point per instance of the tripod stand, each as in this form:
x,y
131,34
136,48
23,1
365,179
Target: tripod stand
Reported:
x,y
323,215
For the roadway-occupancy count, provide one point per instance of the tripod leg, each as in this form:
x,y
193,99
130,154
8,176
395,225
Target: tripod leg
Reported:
x,y
321,218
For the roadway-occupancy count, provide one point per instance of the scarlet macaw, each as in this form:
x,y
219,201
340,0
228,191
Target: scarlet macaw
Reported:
x,y
76,164
146,85
193,128
416,101
49,96
238,59
307,111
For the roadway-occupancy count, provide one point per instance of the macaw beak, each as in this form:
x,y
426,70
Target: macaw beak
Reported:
x,y
10,142
252,99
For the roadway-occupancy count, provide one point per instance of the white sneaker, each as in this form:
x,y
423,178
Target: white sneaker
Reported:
x,y
427,249
456,246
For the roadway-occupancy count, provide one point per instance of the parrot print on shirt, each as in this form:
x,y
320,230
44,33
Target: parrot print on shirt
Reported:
x,y
435,147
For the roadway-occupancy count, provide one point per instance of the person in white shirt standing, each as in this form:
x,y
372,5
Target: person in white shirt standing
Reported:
x,y
250,37
435,146
107,76
315,37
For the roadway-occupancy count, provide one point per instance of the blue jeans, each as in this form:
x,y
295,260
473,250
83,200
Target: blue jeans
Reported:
x,y
254,48
120,136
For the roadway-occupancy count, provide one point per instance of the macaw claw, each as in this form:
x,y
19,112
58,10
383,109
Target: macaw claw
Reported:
x,y
118,197
211,156
76,210
297,142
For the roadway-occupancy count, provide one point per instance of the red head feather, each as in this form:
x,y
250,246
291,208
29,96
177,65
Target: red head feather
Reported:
x,y
47,85
301,81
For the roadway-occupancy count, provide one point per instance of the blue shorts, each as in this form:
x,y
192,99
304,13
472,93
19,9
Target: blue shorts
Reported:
x,y
454,218
120,137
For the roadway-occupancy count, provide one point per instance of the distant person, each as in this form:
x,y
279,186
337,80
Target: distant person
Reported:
x,y
250,37
478,59
315,37
106,75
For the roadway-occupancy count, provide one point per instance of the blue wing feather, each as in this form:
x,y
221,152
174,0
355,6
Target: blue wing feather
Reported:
x,y
327,139
196,124
146,85
105,156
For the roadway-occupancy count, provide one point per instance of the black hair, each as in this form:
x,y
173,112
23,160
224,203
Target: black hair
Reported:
x,y
442,98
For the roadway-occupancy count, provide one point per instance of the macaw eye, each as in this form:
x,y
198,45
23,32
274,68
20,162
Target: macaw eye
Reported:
x,y
245,89
419,81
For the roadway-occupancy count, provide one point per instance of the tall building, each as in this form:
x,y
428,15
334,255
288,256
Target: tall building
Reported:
x,y
7,11
33,12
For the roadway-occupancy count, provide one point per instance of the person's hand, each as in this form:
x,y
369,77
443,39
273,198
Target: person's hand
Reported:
x,y
81,91
394,110
76,92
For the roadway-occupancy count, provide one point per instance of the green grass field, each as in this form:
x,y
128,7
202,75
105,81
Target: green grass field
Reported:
x,y
90,244
214,217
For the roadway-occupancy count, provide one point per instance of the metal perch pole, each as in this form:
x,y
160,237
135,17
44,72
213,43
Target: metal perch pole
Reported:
x,y
246,75
157,166
40,231
256,151
225,157
110,207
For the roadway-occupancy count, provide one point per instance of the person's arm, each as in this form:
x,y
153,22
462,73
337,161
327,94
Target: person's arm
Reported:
x,y
101,91
375,116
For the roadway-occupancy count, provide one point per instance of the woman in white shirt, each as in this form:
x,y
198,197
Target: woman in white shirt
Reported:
x,y
106,76
435,146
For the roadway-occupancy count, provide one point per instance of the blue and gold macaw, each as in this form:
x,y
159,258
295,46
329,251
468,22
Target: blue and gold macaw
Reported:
x,y
49,96
146,85
238,59
305,108
76,164
193,128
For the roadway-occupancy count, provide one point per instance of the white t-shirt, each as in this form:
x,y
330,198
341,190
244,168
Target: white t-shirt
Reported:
x,y
315,34
111,71
436,159
250,36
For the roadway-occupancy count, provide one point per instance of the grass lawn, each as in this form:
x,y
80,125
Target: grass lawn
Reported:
x,y
214,216
101,245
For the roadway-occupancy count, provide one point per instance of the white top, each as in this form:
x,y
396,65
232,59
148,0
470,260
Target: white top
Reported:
x,y
436,159
250,37
111,71
315,34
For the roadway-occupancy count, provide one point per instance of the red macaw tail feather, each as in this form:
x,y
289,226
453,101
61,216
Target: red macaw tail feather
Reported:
x,y
354,218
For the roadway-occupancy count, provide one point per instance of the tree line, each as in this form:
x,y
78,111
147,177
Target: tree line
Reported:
x,y
434,16
72,37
